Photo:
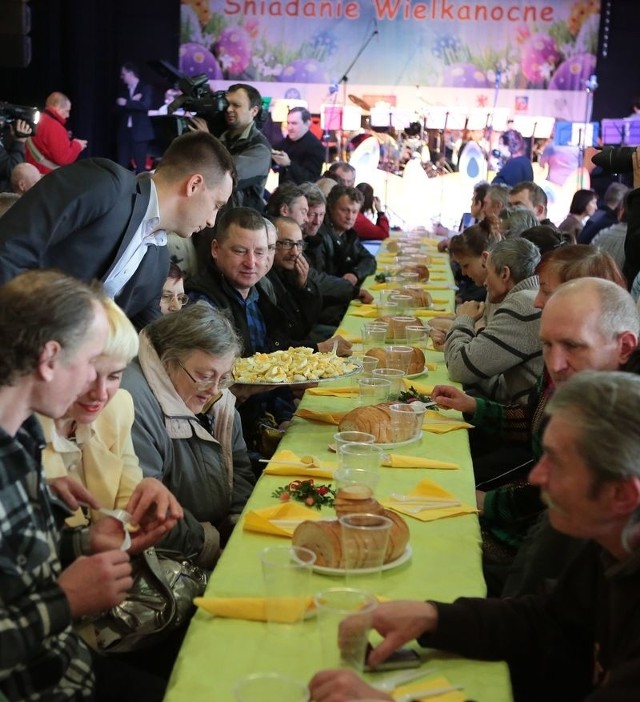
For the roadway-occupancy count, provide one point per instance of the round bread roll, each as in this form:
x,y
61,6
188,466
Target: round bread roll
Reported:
x,y
373,419
416,364
323,538
356,499
398,536
421,270
421,298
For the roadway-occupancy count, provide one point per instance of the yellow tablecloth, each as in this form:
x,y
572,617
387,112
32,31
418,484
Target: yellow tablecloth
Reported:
x,y
445,564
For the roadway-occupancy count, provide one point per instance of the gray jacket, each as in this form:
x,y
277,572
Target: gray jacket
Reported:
x,y
504,360
210,475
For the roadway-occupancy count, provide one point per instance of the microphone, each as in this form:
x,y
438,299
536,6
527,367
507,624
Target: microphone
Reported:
x,y
333,88
375,26
592,83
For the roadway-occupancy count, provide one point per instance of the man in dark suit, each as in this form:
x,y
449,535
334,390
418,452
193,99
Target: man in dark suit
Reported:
x,y
135,130
300,155
94,219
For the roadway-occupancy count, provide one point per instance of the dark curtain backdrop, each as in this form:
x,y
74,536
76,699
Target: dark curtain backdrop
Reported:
x,y
78,46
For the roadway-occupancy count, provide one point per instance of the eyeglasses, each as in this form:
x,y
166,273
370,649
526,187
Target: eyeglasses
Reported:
x,y
288,244
182,298
224,381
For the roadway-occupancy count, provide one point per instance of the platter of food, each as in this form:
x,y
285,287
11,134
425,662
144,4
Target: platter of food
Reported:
x,y
295,366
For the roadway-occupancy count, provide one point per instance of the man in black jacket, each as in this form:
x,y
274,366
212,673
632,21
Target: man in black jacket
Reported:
x,y
300,155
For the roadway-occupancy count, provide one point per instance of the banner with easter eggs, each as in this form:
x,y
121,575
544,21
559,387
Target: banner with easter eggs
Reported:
x,y
532,56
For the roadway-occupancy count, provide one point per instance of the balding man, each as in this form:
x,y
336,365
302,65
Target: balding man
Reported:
x,y
51,147
23,177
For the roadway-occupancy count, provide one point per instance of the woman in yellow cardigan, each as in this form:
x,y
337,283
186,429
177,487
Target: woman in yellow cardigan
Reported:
x,y
91,443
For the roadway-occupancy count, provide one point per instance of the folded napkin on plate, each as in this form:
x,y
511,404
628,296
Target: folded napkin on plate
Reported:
x,y
429,489
438,423
314,470
395,460
419,385
253,608
430,685
264,520
324,417
326,391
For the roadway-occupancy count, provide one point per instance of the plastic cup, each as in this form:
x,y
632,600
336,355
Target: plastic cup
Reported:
x,y
373,335
372,391
365,538
352,437
394,376
270,687
287,581
405,422
344,621
390,307
417,336
348,477
363,456
399,357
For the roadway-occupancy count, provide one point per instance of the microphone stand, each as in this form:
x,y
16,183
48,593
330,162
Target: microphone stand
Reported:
x,y
344,80
590,86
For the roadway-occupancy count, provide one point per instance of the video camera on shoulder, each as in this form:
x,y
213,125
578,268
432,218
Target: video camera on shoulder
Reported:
x,y
9,113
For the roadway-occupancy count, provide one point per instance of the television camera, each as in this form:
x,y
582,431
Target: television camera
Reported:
x,y
9,113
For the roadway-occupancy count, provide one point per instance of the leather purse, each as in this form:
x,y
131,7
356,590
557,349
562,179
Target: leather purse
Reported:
x,y
160,601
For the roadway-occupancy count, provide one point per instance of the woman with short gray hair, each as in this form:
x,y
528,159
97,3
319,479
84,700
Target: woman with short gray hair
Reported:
x,y
504,360
187,432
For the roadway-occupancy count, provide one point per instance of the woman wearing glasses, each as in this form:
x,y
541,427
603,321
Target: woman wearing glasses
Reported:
x,y
173,297
186,431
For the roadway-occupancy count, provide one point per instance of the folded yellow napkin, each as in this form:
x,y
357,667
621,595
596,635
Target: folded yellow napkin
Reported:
x,y
419,385
437,286
437,277
261,521
368,311
434,313
438,423
326,391
349,336
314,469
395,460
253,608
430,366
324,417
440,300
429,488
433,684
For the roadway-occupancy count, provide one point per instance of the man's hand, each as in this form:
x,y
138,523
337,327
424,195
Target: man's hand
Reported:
x,y
301,271
438,337
281,158
198,124
95,583
480,500
72,493
137,97
83,143
21,129
449,397
121,101
352,278
342,686
152,503
472,309
399,622
343,347
365,297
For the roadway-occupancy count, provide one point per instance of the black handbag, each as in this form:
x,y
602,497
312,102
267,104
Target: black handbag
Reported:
x,y
160,601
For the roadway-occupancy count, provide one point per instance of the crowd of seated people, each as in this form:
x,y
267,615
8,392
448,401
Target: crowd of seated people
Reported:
x,y
159,424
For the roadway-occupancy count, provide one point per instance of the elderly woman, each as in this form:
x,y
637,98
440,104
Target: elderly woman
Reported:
x,y
186,430
504,360
91,444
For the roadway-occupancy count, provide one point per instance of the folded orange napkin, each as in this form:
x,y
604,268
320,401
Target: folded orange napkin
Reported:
x,y
429,688
327,391
297,466
438,423
253,608
324,417
264,520
430,489
395,460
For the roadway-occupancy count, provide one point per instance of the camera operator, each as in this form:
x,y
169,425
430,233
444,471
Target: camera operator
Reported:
x,y
249,148
12,150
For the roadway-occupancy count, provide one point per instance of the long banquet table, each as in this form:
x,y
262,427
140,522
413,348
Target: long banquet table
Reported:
x,y
445,563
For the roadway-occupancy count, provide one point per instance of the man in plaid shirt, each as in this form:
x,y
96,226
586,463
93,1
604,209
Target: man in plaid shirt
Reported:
x,y
53,328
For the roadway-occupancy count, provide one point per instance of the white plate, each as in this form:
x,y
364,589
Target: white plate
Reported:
x,y
356,370
415,375
417,437
403,558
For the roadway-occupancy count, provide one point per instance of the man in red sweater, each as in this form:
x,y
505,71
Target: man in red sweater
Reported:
x,y
51,146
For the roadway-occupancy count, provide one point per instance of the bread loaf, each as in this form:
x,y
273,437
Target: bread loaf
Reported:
x,y
356,499
421,298
421,270
324,539
396,326
416,364
376,420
